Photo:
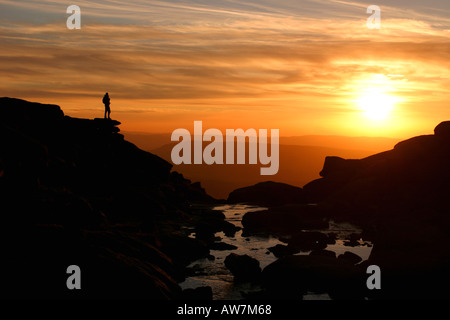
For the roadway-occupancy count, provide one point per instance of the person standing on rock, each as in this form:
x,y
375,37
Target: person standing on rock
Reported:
x,y
106,102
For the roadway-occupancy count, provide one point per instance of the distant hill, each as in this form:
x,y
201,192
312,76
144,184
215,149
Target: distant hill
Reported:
x,y
298,166
374,144
301,159
151,141
147,141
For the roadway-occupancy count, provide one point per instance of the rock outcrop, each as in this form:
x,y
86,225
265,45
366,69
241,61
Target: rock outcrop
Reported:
x,y
74,192
284,219
292,276
243,267
401,199
268,193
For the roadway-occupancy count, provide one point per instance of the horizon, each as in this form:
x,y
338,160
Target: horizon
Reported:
x,y
281,136
303,67
295,136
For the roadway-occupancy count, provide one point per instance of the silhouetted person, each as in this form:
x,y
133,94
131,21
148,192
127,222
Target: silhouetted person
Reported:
x,y
106,102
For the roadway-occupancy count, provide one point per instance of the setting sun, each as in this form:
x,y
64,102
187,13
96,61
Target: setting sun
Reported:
x,y
376,105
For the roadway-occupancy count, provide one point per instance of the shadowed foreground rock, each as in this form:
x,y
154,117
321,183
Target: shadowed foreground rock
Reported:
x,y
200,293
74,192
401,199
243,267
285,219
291,277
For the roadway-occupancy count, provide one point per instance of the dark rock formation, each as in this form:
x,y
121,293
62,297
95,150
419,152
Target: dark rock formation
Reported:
x,y
326,253
268,194
285,219
415,169
73,191
442,130
400,198
212,221
352,240
243,267
350,257
280,250
339,168
200,293
292,276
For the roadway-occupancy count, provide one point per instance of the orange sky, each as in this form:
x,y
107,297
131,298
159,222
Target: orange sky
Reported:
x,y
299,66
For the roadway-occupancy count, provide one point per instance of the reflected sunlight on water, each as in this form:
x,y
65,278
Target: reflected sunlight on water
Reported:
x,y
213,273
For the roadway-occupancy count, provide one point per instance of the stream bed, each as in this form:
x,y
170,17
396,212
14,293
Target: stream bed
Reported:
x,y
214,273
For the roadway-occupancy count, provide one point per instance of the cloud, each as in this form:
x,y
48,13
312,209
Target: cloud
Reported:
x,y
218,56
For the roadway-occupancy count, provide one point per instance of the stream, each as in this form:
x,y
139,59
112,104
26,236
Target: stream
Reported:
x,y
213,273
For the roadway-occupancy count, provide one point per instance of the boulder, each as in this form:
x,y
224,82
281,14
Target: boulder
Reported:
x,y
353,240
243,267
208,222
293,276
336,167
284,219
442,130
280,250
267,193
318,190
350,257
183,249
332,236
25,114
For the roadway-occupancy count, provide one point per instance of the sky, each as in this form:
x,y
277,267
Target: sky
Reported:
x,y
300,66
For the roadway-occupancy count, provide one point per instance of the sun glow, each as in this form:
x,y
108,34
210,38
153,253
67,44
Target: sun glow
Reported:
x,y
375,98
376,104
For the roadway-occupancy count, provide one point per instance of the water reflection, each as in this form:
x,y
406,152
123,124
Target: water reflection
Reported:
x,y
213,273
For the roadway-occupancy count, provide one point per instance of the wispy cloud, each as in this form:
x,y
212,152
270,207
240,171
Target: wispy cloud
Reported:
x,y
218,56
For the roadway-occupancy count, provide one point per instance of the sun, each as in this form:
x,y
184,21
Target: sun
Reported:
x,y
376,105
376,102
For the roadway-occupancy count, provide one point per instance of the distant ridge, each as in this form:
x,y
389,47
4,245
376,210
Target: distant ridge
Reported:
x,y
153,141
298,166
301,159
374,144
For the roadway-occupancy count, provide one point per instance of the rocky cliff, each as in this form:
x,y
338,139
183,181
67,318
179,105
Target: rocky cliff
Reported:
x,y
401,199
74,192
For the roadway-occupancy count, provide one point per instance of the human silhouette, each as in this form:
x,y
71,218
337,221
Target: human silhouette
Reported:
x,y
106,102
